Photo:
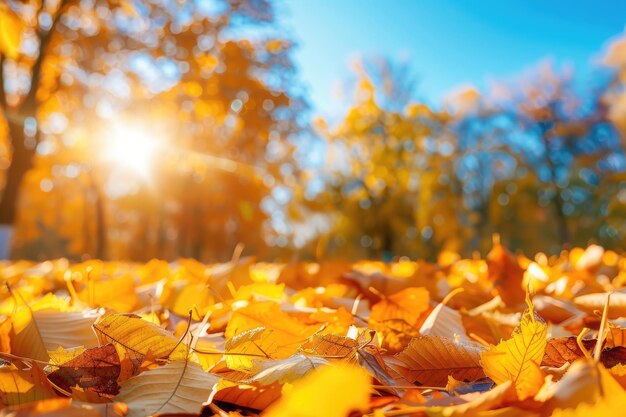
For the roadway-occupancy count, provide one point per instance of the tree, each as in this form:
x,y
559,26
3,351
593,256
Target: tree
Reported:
x,y
227,100
381,143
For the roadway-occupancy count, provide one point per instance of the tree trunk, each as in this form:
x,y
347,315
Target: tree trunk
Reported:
x,y
563,230
21,162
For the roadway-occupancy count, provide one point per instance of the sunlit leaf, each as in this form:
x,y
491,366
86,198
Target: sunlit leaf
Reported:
x,y
96,369
134,337
37,331
304,399
511,359
18,387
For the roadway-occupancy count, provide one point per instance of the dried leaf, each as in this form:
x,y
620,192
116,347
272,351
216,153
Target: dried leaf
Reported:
x,y
444,322
178,387
429,360
36,332
96,369
565,349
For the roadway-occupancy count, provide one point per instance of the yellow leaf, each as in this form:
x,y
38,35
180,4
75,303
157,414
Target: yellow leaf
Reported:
x,y
134,337
254,344
19,387
115,294
187,295
511,360
11,27
261,289
333,391
61,355
531,383
178,387
289,332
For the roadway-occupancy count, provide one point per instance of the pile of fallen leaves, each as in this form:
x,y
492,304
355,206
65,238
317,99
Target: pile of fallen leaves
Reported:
x,y
499,336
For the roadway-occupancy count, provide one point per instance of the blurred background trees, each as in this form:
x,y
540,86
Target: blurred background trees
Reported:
x,y
170,129
91,87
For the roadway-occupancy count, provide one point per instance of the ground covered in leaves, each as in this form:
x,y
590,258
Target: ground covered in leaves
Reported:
x,y
474,337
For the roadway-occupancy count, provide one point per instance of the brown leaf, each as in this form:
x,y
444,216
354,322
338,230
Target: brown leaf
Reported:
x,y
565,349
96,369
431,359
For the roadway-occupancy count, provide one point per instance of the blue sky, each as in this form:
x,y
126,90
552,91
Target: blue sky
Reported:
x,y
448,43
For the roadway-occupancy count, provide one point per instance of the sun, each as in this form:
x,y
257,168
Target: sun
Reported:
x,y
132,147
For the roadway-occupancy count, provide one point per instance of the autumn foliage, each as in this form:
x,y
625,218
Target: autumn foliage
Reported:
x,y
244,338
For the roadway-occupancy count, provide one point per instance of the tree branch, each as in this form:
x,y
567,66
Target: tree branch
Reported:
x,y
3,96
45,38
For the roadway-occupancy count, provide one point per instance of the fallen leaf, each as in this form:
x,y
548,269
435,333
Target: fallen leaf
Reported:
x,y
35,332
243,349
289,332
18,387
178,387
429,360
407,305
324,393
510,360
96,369
134,337
286,370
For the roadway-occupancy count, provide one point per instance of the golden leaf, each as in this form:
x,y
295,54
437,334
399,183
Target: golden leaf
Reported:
x,y
19,387
510,360
243,349
289,332
332,391
134,337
